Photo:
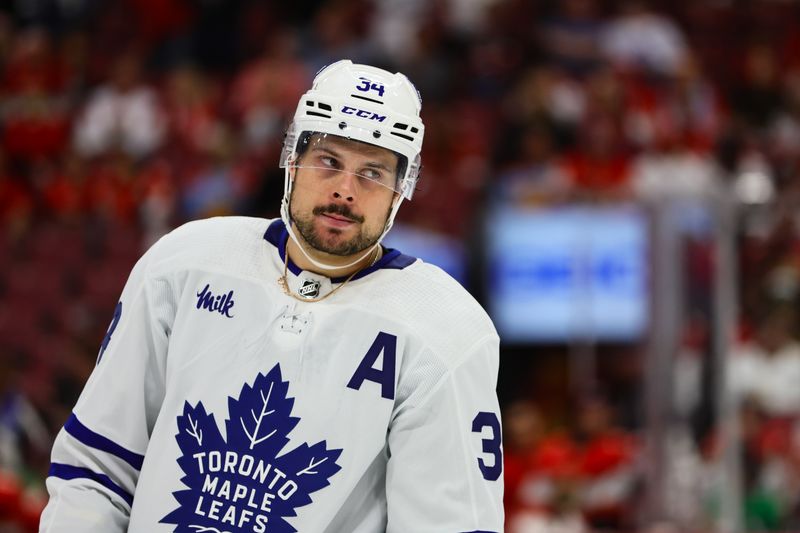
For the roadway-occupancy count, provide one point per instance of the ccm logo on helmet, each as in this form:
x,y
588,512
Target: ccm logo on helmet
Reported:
x,y
347,110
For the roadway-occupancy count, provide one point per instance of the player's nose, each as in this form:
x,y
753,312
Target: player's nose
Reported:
x,y
346,186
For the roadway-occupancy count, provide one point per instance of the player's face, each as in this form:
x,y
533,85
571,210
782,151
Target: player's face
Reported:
x,y
340,199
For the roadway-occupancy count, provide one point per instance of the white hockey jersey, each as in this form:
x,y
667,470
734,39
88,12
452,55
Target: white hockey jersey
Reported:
x,y
220,404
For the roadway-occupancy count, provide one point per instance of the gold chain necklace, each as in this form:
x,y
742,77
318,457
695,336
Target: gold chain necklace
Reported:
x,y
283,281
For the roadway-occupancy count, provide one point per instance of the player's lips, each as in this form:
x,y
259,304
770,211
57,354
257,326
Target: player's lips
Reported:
x,y
337,220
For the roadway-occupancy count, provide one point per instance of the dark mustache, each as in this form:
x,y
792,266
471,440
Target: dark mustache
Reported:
x,y
337,209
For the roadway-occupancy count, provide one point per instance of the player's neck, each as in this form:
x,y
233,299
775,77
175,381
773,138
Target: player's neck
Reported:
x,y
300,259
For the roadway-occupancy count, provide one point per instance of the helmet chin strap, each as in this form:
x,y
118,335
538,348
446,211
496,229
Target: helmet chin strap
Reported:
x,y
287,221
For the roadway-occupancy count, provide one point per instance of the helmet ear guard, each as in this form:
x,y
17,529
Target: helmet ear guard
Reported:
x,y
409,183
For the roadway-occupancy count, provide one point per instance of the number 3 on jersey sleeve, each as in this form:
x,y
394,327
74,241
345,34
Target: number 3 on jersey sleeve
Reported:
x,y
491,445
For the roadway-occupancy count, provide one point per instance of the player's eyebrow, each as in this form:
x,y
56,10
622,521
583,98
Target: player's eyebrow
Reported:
x,y
327,150
379,166
371,164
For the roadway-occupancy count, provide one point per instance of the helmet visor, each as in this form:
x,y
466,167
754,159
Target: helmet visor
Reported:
x,y
327,155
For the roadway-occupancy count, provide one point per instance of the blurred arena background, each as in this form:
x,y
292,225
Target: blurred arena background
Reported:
x,y
617,182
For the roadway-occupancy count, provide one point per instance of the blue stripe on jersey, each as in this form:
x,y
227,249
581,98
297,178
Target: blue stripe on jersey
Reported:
x,y
392,259
94,440
68,472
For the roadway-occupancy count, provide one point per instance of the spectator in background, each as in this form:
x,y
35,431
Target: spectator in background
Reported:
x,y
785,131
766,470
543,95
671,168
533,176
571,39
492,63
685,108
564,517
758,99
32,65
123,114
23,449
545,485
64,194
767,370
426,57
6,37
265,91
523,429
159,196
457,168
338,29
599,169
597,163
673,173
16,201
469,18
640,39
191,107
212,189
393,27
697,104
605,93
35,113
112,189
22,430
606,466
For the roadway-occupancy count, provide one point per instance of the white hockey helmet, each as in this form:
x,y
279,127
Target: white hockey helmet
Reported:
x,y
365,104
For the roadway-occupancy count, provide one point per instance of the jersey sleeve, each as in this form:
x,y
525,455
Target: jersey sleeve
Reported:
x,y
445,468
99,452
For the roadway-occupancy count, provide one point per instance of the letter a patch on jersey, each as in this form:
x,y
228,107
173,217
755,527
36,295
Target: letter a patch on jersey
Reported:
x,y
386,344
244,481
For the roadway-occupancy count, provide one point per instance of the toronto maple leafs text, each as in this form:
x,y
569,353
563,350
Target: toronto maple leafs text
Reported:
x,y
234,503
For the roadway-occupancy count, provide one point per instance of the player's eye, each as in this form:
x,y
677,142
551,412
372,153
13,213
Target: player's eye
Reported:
x,y
372,174
329,162
379,174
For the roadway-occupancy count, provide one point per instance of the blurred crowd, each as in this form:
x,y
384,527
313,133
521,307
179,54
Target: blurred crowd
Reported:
x,y
120,120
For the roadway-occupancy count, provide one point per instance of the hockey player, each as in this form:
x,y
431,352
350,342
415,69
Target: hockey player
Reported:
x,y
293,374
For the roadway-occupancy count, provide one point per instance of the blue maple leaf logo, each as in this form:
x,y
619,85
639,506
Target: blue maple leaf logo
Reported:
x,y
242,483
